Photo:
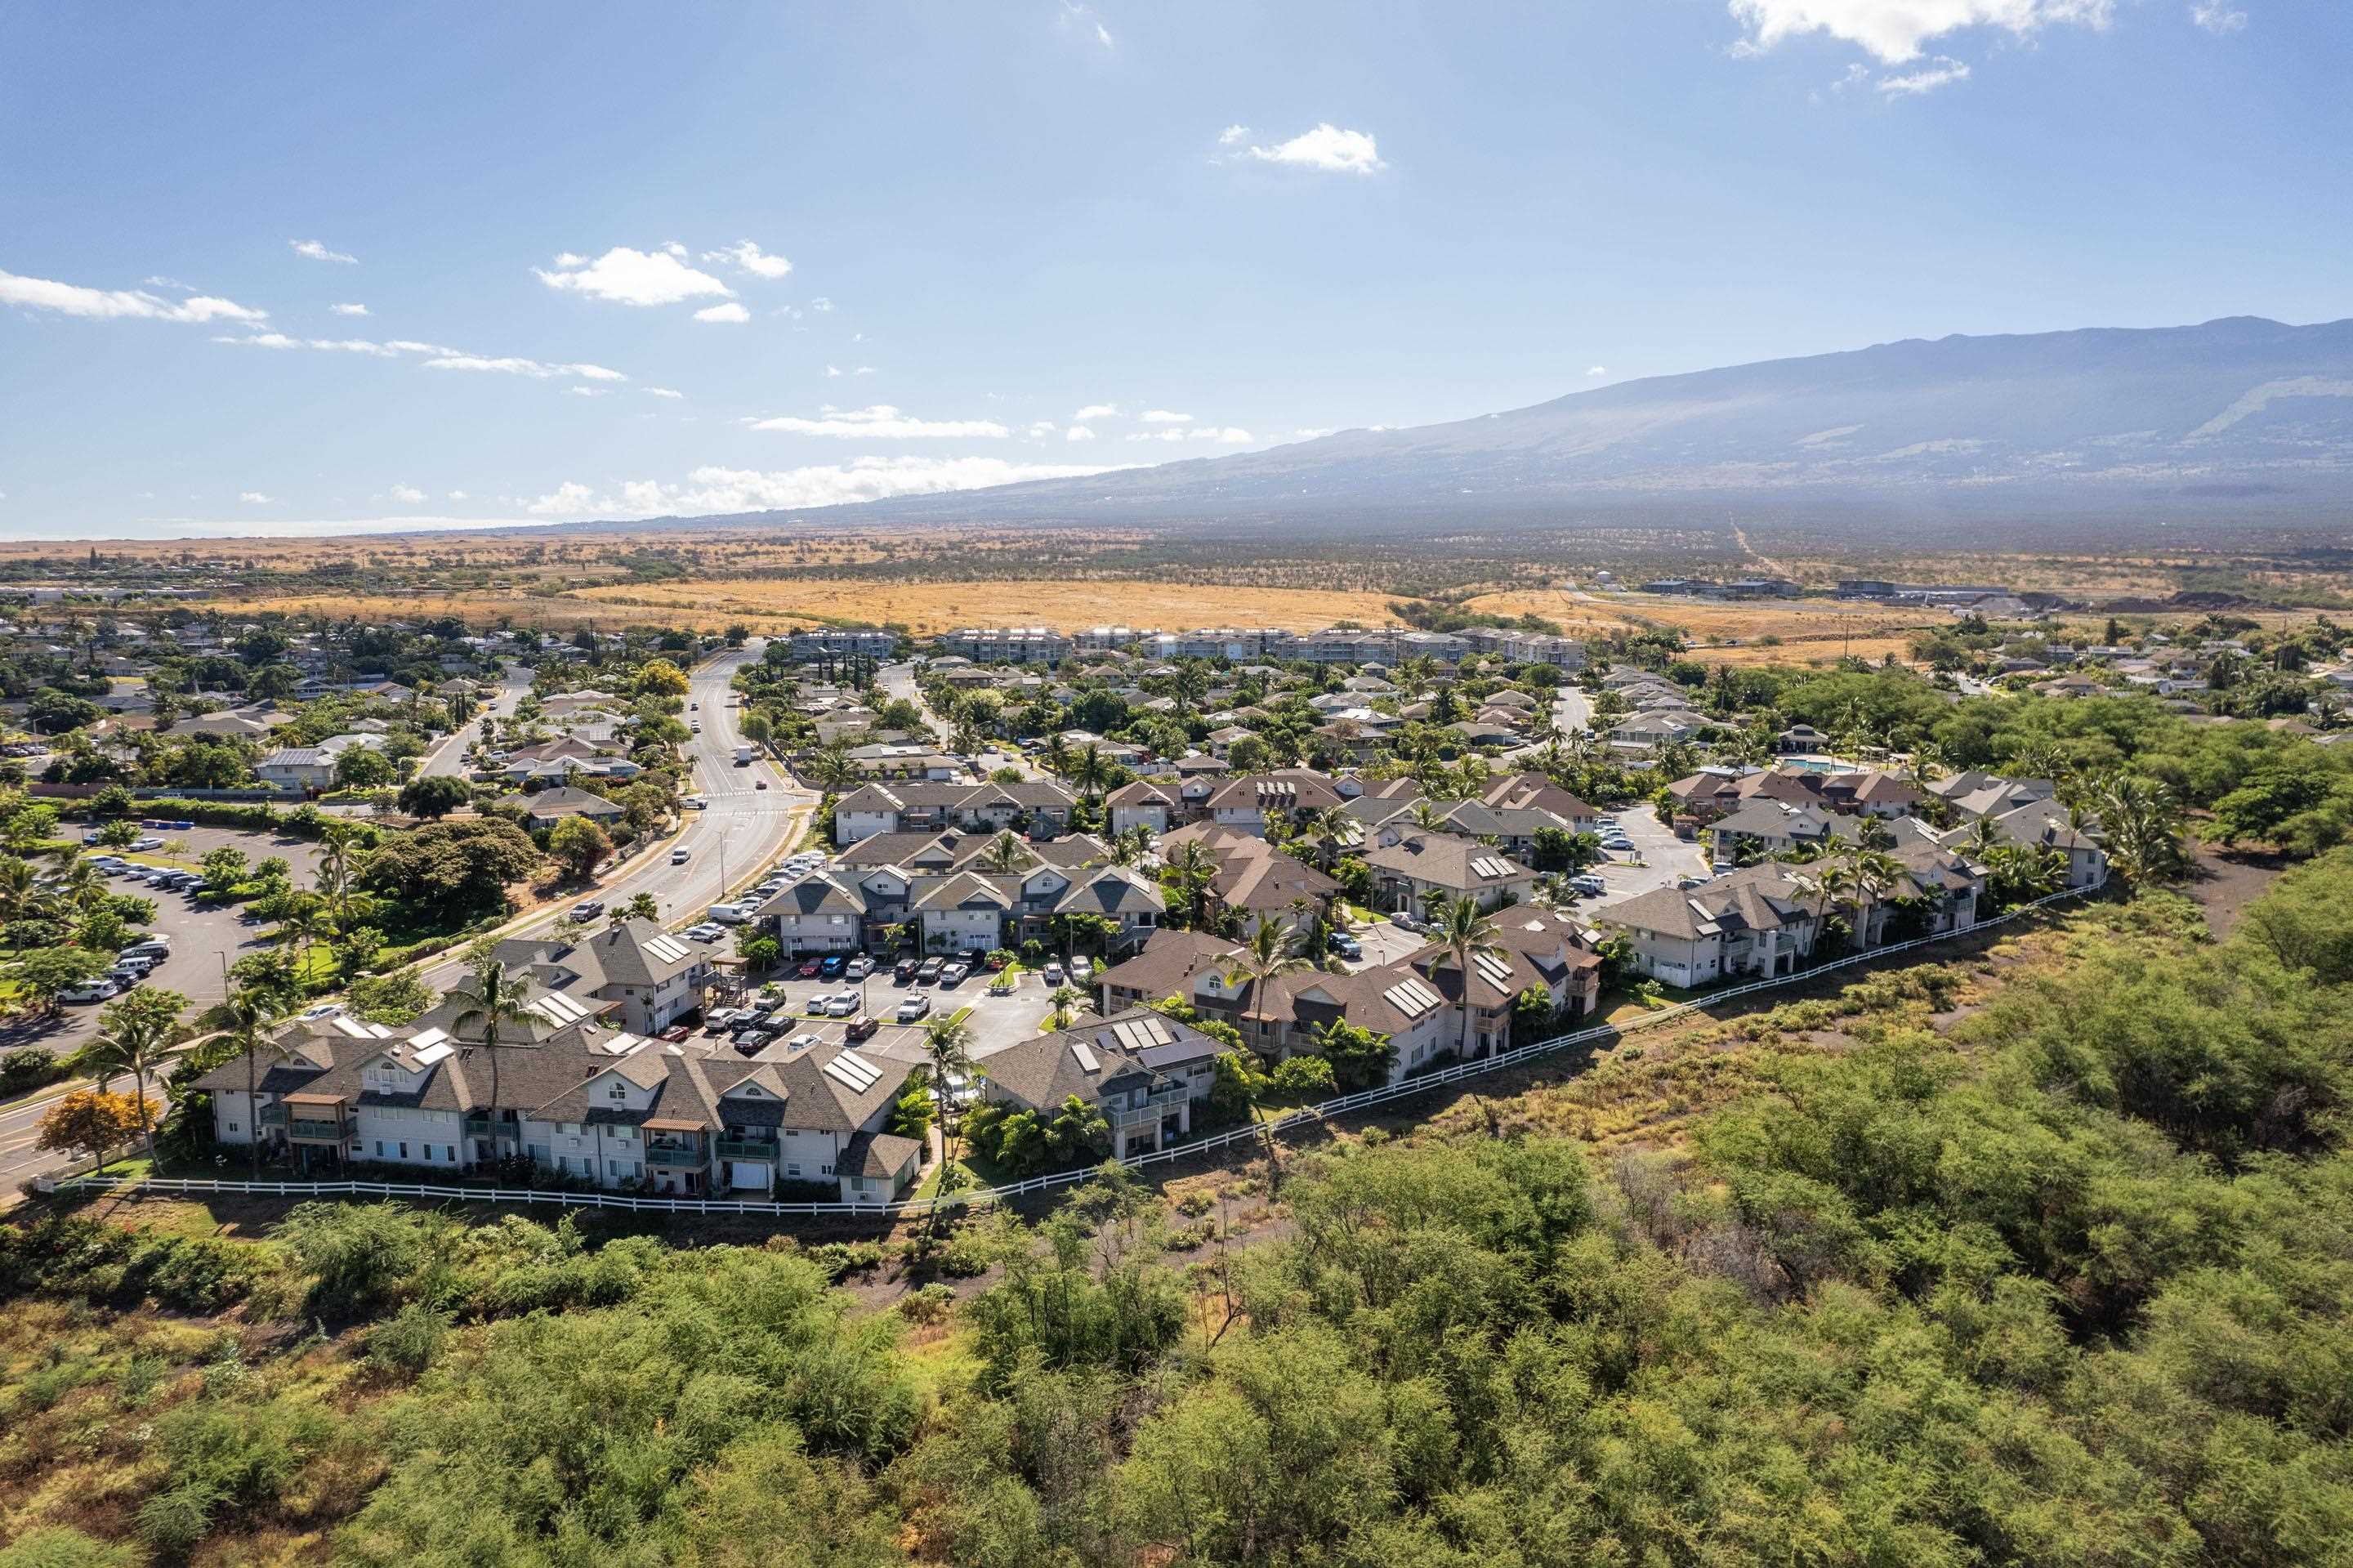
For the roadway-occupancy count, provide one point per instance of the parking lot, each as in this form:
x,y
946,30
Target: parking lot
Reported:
x,y
995,1021
1663,860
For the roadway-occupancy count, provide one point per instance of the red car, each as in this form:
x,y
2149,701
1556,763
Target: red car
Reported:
x,y
677,1033
808,970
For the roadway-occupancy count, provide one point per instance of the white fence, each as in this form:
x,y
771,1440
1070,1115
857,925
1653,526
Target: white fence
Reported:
x,y
1256,1132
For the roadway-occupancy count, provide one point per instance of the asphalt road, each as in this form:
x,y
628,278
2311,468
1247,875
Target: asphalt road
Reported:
x,y
447,757
1664,859
742,830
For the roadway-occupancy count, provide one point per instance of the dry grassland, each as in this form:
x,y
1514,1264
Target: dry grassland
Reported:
x,y
945,606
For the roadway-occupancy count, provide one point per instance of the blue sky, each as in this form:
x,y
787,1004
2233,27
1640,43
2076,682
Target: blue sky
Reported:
x,y
569,228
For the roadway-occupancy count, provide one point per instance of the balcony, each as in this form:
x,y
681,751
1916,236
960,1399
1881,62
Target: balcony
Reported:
x,y
676,1157
479,1126
302,1130
272,1116
748,1149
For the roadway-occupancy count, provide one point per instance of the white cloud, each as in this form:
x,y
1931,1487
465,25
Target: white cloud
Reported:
x,y
1078,433
864,370
571,259
408,495
255,498
100,304
458,496
1317,433
587,391
675,249
1224,436
633,278
1327,147
1892,31
1041,429
1942,71
331,344
1597,370
1157,436
1098,411
730,311
2216,18
751,258
349,310
665,392
881,422
1078,15
1232,135
717,489
821,303
1162,416
831,371
318,252
450,359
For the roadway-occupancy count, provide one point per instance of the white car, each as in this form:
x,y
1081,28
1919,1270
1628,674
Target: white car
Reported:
x,y
695,803
90,991
916,1004
842,1004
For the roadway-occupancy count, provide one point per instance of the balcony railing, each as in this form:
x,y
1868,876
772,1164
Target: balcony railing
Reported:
x,y
479,1126
273,1115
676,1157
309,1131
747,1148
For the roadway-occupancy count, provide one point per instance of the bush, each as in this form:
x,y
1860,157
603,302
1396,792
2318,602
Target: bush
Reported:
x,y
841,1260
407,1343
108,1266
65,1549
28,1068
929,1305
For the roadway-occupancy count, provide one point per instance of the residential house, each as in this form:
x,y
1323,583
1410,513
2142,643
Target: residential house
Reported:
x,y
1145,1071
1416,869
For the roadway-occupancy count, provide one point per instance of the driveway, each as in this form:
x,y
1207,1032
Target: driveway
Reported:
x,y
448,757
995,1021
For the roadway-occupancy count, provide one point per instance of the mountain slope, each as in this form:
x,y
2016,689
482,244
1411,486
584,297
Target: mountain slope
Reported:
x,y
2240,415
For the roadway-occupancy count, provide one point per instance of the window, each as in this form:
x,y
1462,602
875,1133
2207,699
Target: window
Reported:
x,y
379,1148
618,1092
451,1150
403,1152
825,1169
232,1127
792,1169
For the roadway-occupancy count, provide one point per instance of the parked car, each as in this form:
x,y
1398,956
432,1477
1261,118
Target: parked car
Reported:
x,y
709,931
859,966
1052,971
842,1004
928,972
861,1029
916,1004
905,970
1347,947
810,968
90,991
816,1004
677,1033
833,965
953,975
587,909
1081,971
695,803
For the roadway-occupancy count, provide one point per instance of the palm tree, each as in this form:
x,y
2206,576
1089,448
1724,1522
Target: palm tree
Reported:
x,y
17,894
1091,772
2142,826
1463,930
1426,816
498,1001
1269,950
1064,997
334,878
1195,871
253,1016
136,1032
1006,853
302,927
947,1050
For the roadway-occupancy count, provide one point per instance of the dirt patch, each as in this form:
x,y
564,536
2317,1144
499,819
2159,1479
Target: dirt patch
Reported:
x,y
2223,882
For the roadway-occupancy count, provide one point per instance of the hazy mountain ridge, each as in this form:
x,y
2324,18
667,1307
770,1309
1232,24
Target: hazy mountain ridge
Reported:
x,y
2096,419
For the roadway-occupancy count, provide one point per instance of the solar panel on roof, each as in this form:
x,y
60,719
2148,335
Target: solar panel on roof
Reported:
x,y
1157,1027
853,1070
433,1054
557,1008
666,948
350,1026
1498,972
1085,1053
430,1037
1412,996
